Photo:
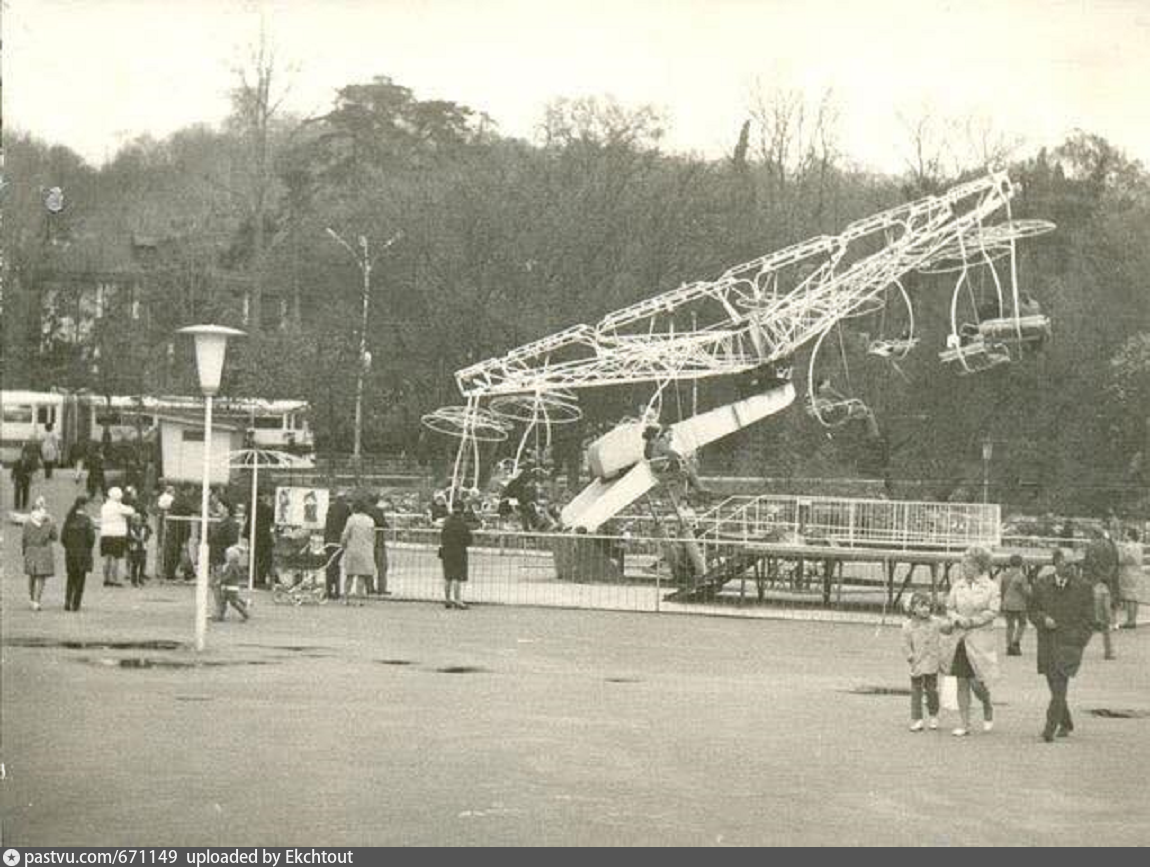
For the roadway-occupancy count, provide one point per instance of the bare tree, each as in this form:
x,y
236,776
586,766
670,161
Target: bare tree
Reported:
x,y
941,150
797,144
256,102
779,116
926,155
984,145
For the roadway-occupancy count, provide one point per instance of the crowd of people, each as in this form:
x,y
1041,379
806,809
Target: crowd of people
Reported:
x,y
1066,605
127,528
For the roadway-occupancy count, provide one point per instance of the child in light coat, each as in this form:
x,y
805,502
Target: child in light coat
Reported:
x,y
922,647
229,580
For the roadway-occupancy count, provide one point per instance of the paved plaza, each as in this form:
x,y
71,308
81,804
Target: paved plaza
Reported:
x,y
401,723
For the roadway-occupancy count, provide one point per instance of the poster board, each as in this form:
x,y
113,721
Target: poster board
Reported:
x,y
301,507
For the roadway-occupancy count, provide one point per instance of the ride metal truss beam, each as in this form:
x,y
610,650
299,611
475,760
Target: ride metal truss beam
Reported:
x,y
759,311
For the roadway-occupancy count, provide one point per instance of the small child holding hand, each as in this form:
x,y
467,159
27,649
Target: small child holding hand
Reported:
x,y
1015,601
922,647
138,535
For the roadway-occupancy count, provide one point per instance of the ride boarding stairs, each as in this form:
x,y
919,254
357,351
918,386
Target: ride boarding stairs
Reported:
x,y
723,569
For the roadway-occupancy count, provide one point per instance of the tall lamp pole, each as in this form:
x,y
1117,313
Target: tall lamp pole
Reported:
x,y
211,344
987,454
365,262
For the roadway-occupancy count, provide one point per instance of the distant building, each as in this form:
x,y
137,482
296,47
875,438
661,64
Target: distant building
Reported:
x,y
77,282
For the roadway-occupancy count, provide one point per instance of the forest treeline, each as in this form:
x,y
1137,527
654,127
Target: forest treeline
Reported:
x,y
501,241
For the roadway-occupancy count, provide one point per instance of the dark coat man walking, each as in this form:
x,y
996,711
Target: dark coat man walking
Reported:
x,y
1062,610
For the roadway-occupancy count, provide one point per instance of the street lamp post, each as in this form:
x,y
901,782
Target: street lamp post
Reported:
x,y
987,454
365,263
211,344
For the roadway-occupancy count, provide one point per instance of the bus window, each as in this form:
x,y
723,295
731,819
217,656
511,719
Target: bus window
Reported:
x,y
268,422
45,415
17,415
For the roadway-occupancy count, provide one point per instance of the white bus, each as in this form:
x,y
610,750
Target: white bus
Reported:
x,y
84,417
25,416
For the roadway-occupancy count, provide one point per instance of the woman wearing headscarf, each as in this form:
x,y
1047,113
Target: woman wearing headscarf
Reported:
x,y
114,535
39,561
971,608
78,535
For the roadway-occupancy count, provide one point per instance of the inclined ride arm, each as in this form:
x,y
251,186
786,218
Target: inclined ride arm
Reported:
x,y
759,312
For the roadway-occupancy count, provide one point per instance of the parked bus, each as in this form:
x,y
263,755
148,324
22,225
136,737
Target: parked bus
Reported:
x,y
82,417
24,416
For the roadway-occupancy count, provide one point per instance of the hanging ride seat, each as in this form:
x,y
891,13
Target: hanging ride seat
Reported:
x,y
1022,329
836,411
896,348
974,355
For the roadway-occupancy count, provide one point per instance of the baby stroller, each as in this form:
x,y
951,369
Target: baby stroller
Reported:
x,y
302,576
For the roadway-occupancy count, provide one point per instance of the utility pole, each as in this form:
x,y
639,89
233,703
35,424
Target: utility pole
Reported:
x,y
365,262
987,454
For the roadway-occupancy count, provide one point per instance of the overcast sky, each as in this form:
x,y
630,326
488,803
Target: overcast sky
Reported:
x,y
92,74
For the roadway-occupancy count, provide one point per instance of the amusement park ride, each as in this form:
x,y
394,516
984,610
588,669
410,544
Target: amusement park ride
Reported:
x,y
756,317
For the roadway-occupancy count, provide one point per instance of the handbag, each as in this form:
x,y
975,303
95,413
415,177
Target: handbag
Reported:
x,y
948,693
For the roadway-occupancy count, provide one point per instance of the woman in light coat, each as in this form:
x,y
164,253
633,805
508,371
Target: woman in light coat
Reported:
x,y
358,540
971,608
1130,576
36,542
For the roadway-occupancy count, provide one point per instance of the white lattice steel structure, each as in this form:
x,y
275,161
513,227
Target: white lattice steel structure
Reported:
x,y
756,313
765,309
854,523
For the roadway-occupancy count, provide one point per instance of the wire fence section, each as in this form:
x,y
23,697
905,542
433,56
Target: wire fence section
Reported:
x,y
515,568
666,575
654,571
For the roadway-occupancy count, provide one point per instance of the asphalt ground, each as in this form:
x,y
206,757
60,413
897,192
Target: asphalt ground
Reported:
x,y
404,723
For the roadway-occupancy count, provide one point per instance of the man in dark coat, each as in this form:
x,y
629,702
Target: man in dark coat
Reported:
x,y
264,537
222,534
337,514
1061,609
1100,561
453,542
378,514
22,470
177,532
78,536
94,461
